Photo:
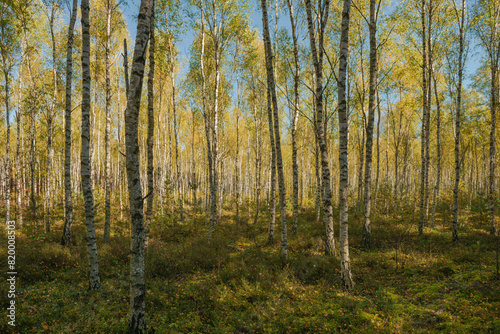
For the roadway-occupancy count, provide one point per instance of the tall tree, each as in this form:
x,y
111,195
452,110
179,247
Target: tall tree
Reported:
x,y
137,317
94,278
107,150
151,127
50,115
438,149
317,52
461,30
176,132
345,261
6,50
374,7
295,118
210,158
488,29
68,217
279,160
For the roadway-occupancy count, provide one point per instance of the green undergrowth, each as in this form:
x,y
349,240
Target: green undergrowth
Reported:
x,y
238,283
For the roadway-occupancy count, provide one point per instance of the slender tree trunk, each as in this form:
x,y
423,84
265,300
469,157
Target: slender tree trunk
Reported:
x,y
126,72
107,157
177,153
206,117
151,127
50,118
423,218
194,184
279,160
317,55
295,119
258,127
430,10
137,317
215,130
7,140
236,166
438,143
371,119
94,279
318,177
492,188
119,158
272,202
457,123
345,262
19,179
378,152
494,104
68,221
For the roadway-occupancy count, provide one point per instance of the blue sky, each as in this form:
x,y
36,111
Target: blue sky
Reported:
x,y
131,9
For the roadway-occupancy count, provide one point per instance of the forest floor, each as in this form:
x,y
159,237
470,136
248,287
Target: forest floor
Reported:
x,y
238,283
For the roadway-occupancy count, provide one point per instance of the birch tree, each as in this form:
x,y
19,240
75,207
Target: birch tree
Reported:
x,y
460,16
345,261
317,52
295,118
94,278
279,160
137,317
68,217
374,10
151,127
488,30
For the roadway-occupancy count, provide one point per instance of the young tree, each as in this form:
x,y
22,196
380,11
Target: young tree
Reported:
x,y
107,154
461,30
345,261
295,118
137,318
151,127
272,91
374,10
94,279
317,52
424,171
488,29
7,52
68,218
50,115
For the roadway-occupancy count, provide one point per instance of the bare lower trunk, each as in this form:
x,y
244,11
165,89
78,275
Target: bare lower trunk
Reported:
x,y
151,127
94,279
295,118
423,217
317,55
177,153
7,141
236,166
345,262
258,123
378,153
457,124
50,119
272,202
279,160
438,153
68,219
18,152
210,158
107,154
137,316
494,105
369,129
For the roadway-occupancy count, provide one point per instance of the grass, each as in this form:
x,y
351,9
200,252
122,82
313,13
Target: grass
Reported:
x,y
237,283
